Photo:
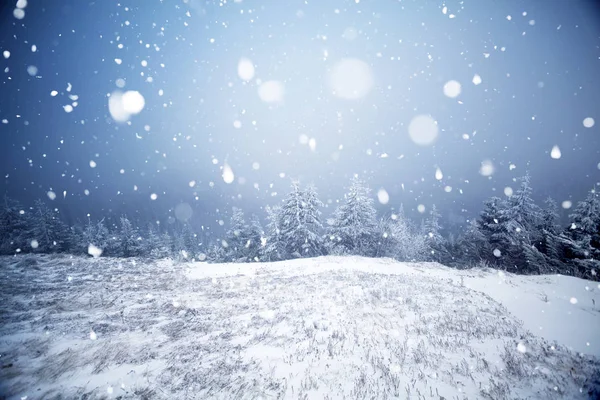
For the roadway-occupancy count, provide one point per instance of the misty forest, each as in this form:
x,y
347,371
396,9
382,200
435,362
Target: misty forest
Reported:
x,y
347,199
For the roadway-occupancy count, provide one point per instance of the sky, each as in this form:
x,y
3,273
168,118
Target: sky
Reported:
x,y
145,107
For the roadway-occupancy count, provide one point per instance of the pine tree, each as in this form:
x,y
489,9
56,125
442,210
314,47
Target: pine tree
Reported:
x,y
434,238
164,247
48,232
400,240
254,243
522,215
493,225
237,237
473,246
550,244
128,240
300,223
585,221
582,241
95,234
15,225
274,249
354,223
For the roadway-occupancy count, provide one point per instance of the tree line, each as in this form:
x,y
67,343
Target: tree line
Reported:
x,y
511,233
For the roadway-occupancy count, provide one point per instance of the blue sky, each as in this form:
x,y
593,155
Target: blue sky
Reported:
x,y
537,60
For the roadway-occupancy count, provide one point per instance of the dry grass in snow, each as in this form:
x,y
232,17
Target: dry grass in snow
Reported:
x,y
325,328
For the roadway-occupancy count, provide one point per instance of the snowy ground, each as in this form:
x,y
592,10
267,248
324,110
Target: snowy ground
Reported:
x,y
332,327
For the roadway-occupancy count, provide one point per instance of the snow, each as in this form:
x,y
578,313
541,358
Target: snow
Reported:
x,y
452,89
589,122
32,70
423,130
245,69
19,13
383,196
123,105
133,102
555,153
487,168
477,79
183,212
271,91
336,327
94,251
228,175
351,79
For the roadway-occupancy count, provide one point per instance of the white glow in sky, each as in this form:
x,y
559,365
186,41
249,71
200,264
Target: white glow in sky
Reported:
x,y
133,102
228,175
351,79
487,168
183,212
271,91
452,88
383,196
423,130
123,105
245,69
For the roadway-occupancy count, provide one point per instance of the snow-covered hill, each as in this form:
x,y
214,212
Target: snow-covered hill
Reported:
x,y
329,327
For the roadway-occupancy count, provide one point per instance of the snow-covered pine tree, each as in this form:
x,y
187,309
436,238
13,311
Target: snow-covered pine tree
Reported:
x,y
550,230
492,223
522,215
585,221
274,249
237,237
156,245
584,232
434,239
354,223
472,245
401,240
387,243
164,248
15,224
48,232
129,242
254,243
301,224
95,234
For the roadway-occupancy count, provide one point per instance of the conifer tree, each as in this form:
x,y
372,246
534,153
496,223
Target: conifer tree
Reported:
x,y
301,224
354,224
48,232
273,250
434,239
15,225
237,237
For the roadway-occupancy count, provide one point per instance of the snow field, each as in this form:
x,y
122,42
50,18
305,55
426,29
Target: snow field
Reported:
x,y
329,327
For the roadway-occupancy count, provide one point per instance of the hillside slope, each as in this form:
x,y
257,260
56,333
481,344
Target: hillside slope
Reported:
x,y
330,327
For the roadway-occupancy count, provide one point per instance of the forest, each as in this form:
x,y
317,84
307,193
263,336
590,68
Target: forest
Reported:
x,y
513,234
